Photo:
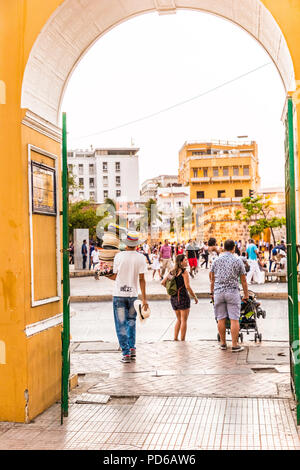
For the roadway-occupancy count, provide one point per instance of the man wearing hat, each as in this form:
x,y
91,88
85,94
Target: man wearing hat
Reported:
x,y
128,270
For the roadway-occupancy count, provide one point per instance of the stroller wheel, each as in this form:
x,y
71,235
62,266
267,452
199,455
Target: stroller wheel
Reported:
x,y
260,337
241,337
218,337
264,314
255,337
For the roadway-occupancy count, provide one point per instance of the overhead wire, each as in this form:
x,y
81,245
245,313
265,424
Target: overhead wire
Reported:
x,y
180,103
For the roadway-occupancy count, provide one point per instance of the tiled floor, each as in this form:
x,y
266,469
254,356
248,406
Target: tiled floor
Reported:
x,y
165,369
162,423
175,396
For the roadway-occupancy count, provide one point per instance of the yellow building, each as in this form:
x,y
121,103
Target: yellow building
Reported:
x,y
219,171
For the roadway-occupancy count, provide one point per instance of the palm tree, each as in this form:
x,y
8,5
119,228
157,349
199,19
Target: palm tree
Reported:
x,y
151,214
111,202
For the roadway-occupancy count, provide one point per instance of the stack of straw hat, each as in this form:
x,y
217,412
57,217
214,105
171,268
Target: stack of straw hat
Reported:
x,y
111,243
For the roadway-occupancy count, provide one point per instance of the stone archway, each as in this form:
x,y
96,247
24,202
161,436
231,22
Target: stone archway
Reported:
x,y
76,25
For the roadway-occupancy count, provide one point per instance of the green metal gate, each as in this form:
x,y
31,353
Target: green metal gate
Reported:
x,y
65,336
291,235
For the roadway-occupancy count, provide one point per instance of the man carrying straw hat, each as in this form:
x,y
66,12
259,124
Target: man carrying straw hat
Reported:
x,y
129,268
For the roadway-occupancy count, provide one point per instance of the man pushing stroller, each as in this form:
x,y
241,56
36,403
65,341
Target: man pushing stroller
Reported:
x,y
226,271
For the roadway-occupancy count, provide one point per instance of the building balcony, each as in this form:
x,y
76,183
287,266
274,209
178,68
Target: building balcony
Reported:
x,y
201,201
221,199
236,199
220,178
241,178
201,179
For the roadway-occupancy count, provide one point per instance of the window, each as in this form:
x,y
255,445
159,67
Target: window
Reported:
x,y
246,171
92,195
118,166
200,194
205,172
225,171
91,168
81,181
105,180
118,180
105,194
216,171
70,154
70,168
235,171
221,193
80,169
104,166
81,195
118,193
195,172
238,193
92,182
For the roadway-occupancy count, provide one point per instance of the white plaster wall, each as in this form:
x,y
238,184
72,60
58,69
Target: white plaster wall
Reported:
x,y
85,161
77,24
129,177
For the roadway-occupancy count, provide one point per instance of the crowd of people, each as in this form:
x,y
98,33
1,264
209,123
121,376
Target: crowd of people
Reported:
x,y
231,264
258,257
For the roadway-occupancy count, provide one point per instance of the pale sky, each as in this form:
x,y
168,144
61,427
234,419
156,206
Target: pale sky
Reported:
x,y
152,62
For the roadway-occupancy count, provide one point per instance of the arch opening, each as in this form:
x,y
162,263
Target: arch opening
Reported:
x,y
77,25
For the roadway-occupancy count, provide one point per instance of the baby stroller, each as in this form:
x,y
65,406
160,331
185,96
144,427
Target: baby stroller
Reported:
x,y
250,311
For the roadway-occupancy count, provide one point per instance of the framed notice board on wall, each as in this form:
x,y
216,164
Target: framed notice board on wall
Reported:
x,y
43,188
44,226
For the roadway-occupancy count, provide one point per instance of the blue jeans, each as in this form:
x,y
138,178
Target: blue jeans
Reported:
x,y
125,322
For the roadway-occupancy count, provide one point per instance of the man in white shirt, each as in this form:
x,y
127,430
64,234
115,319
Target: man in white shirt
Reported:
x,y
129,269
95,257
254,273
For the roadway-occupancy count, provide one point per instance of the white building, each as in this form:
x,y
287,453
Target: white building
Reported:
x,y
171,201
104,173
150,186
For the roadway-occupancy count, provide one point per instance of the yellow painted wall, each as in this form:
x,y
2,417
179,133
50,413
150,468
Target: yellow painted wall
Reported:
x,y
14,218
211,191
44,370
45,279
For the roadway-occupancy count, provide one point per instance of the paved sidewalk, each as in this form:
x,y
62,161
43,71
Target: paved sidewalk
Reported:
x,y
176,396
165,369
155,423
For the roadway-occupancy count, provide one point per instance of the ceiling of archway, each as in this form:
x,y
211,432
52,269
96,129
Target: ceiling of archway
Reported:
x,y
77,24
